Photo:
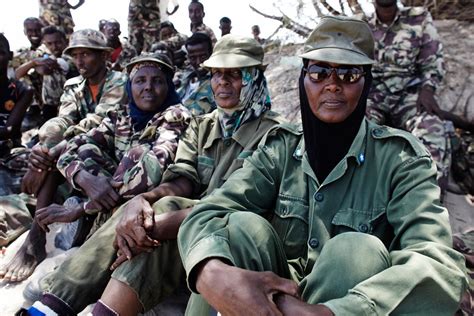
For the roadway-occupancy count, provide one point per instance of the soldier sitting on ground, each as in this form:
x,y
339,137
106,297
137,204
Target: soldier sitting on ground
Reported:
x,y
195,83
84,103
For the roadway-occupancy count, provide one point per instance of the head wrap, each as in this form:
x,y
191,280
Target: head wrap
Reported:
x,y
326,144
139,117
254,101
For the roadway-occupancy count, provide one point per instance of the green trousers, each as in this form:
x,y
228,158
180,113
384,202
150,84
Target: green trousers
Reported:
x,y
82,278
346,260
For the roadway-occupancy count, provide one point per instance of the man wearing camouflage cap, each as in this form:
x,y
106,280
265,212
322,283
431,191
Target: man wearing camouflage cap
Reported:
x,y
84,103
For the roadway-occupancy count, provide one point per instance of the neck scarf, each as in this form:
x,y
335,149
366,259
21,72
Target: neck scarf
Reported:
x,y
254,101
139,117
326,144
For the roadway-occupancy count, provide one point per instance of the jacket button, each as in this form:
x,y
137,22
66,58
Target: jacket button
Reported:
x,y
319,197
363,228
227,142
377,132
313,243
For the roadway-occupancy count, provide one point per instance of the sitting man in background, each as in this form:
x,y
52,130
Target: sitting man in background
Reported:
x,y
195,84
407,72
84,103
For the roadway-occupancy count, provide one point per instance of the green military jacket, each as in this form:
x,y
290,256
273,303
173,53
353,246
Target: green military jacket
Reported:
x,y
385,186
78,113
208,160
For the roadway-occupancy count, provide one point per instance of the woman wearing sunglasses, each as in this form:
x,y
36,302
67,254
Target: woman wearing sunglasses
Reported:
x,y
343,216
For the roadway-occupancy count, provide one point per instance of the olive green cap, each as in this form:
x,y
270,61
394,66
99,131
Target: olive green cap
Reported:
x,y
161,59
233,51
87,38
341,40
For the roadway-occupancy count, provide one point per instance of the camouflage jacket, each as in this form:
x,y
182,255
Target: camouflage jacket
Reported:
x,y
57,12
144,14
78,113
203,28
127,53
176,41
33,79
201,100
408,52
139,157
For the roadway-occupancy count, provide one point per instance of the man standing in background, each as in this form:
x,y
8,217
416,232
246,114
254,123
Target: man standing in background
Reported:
x,y
58,13
143,24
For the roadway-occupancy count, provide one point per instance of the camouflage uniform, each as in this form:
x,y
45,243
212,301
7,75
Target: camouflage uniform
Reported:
x,y
58,13
12,167
203,28
114,149
176,41
409,56
126,54
78,113
33,79
143,23
201,100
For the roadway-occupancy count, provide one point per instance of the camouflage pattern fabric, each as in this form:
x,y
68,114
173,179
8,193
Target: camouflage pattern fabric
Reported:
x,y
409,54
201,100
143,24
176,41
15,217
58,13
52,85
203,28
78,113
467,302
463,161
127,53
33,79
114,149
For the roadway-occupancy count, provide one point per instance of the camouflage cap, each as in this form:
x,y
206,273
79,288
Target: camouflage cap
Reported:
x,y
161,59
233,51
87,38
341,40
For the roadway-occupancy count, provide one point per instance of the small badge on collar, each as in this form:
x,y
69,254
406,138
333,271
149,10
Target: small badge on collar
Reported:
x,y
361,158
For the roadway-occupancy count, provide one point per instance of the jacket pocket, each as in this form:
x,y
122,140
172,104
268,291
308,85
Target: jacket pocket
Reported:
x,y
372,221
290,221
205,169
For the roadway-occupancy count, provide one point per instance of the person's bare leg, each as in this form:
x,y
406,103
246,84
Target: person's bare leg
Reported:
x,y
33,251
119,297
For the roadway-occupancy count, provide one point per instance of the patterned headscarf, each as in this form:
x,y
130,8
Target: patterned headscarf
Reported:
x,y
254,101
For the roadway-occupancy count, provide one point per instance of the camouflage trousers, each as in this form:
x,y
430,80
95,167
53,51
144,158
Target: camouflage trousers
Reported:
x,y
143,25
135,170
399,110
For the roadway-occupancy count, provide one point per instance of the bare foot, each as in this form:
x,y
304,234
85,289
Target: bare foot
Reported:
x,y
30,254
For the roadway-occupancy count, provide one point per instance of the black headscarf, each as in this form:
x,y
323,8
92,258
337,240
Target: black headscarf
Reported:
x,y
326,144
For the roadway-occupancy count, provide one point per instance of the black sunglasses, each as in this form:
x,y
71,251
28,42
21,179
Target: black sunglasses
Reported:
x,y
319,73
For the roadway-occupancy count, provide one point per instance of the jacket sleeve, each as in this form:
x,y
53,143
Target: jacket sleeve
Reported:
x,y
97,142
430,58
142,166
426,274
204,233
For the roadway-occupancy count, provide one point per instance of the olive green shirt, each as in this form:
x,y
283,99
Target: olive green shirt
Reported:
x,y
208,160
385,186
